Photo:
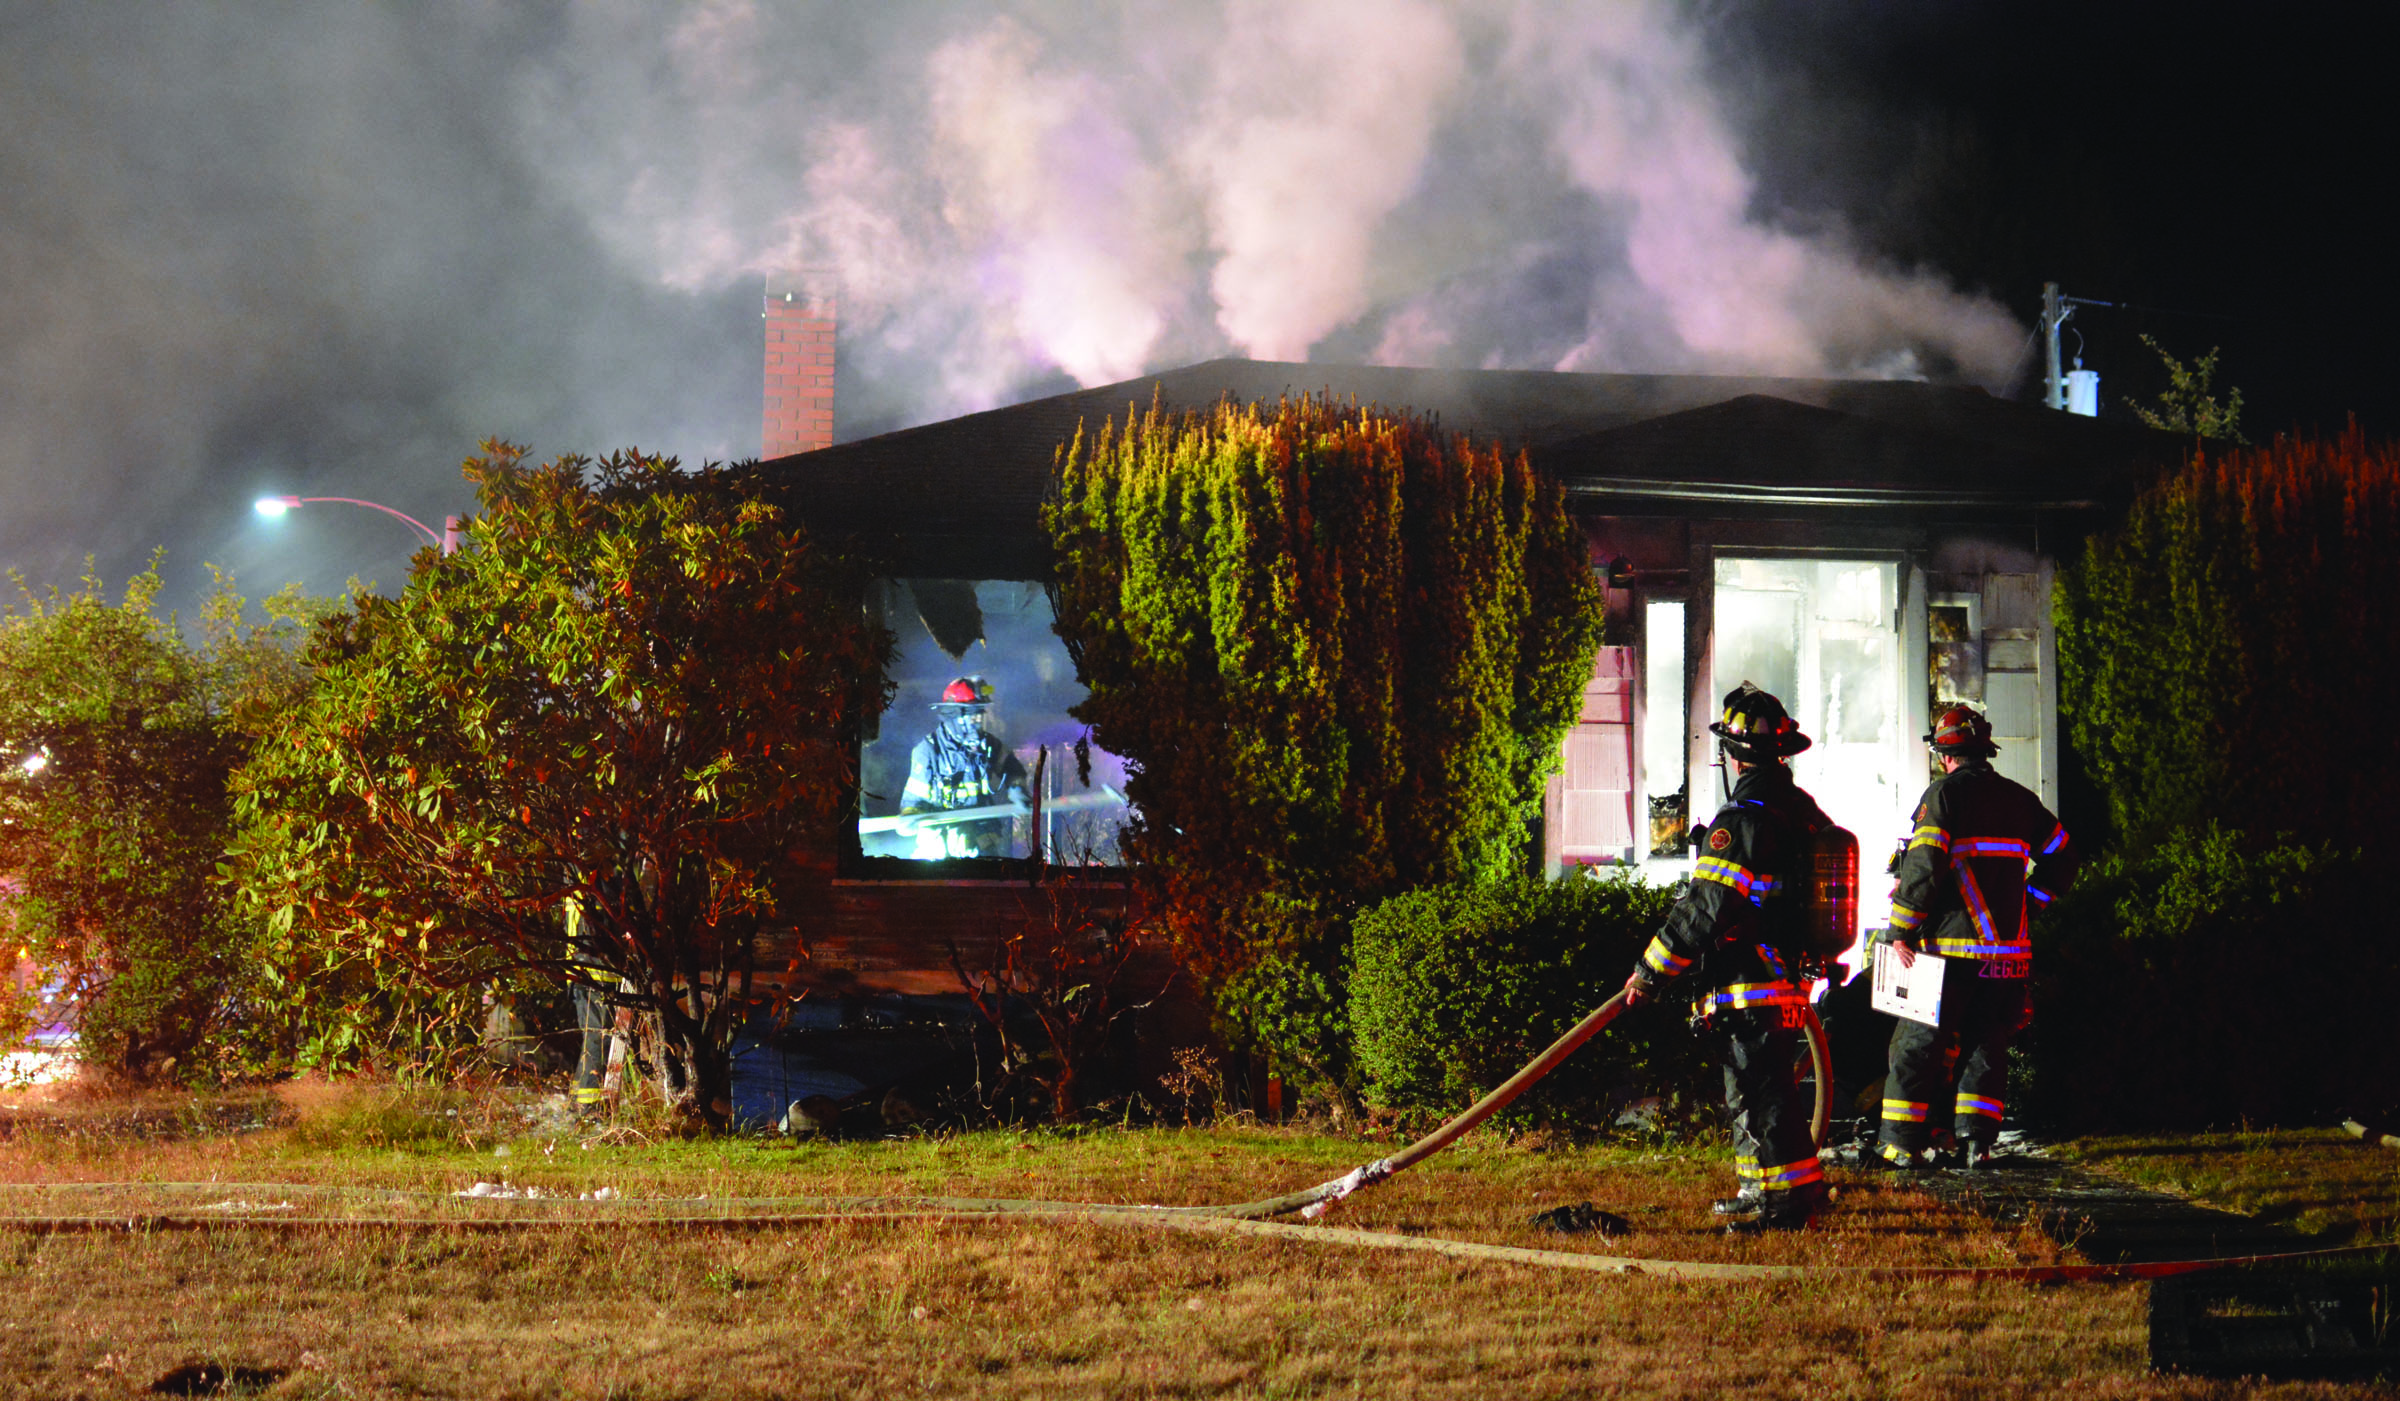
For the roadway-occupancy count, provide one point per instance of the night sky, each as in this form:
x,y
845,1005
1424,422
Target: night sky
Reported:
x,y
2229,177
248,250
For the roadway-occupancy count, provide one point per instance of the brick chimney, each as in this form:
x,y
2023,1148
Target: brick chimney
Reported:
x,y
799,320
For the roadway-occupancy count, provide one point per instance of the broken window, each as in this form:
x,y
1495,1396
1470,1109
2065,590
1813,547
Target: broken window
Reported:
x,y
976,756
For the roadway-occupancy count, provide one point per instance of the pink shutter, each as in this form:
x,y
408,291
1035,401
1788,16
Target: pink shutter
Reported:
x,y
1595,791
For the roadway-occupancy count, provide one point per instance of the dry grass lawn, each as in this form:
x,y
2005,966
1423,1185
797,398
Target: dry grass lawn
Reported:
x,y
1032,1309
2319,1182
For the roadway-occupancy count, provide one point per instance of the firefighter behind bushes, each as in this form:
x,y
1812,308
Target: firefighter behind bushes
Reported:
x,y
1738,928
1964,893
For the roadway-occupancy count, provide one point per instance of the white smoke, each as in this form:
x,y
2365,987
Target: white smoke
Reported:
x,y
325,251
1635,123
1071,229
1316,128
1028,192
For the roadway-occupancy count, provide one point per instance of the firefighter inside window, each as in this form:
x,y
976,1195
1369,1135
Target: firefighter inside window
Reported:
x,y
965,789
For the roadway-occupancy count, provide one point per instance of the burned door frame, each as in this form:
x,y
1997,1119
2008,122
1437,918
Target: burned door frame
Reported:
x,y
1968,558
1901,547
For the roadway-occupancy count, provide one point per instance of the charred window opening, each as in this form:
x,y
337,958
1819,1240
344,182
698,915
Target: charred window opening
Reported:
x,y
977,758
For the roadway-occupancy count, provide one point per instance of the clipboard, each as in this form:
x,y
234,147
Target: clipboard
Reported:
x,y
1914,992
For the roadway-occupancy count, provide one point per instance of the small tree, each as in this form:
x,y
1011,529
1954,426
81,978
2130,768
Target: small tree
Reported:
x,y
630,693
119,738
2189,405
1339,648
1053,991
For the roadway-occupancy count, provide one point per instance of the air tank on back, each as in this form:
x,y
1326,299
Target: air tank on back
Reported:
x,y
1832,892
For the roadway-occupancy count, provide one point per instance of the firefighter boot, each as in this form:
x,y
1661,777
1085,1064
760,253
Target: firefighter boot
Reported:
x,y
1891,1157
1748,1201
1783,1211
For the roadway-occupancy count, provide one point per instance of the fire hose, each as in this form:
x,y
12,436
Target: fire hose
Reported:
x,y
130,1208
1245,1218
1314,1202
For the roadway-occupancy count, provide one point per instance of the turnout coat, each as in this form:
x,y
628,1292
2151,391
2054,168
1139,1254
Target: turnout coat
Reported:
x,y
1740,922
1965,890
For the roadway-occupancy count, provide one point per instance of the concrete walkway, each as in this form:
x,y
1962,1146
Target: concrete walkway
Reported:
x,y
2109,1220
2294,1324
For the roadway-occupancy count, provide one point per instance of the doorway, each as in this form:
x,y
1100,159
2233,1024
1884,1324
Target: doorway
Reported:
x,y
1824,636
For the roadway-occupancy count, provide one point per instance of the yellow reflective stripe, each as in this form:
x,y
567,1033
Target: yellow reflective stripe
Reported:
x,y
1740,995
1905,919
1751,885
1904,1111
1975,948
1658,958
1930,835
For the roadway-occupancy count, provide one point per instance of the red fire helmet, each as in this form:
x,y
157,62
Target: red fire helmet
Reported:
x,y
1962,732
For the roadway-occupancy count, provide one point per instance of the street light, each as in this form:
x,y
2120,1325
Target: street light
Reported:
x,y
274,506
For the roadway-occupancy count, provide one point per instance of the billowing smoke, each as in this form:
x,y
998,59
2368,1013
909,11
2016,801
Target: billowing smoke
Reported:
x,y
1038,190
325,250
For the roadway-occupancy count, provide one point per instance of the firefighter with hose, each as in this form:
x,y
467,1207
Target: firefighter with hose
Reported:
x,y
1740,926
1965,893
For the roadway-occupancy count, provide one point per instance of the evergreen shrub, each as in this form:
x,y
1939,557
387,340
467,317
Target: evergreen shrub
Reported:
x,y
2215,980
1454,988
1338,648
2225,653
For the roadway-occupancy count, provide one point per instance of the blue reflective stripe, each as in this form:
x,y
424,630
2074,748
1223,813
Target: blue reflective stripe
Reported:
x,y
1790,1175
2037,893
1749,884
1978,1104
1905,919
2058,839
1969,948
1741,995
1661,959
1991,846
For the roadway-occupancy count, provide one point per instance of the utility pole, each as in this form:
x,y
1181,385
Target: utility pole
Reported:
x,y
2076,391
2054,315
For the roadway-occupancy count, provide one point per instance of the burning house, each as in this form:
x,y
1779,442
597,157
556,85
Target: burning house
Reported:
x,y
1868,550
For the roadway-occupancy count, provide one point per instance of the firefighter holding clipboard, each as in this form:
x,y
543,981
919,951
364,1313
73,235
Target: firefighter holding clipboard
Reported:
x,y
1984,855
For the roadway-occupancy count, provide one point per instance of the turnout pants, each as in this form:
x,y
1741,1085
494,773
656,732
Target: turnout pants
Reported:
x,y
1773,1148
1984,1006
594,1018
